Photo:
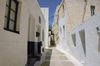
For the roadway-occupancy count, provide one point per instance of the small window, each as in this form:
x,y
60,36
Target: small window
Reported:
x,y
39,19
92,10
10,22
74,39
64,30
82,37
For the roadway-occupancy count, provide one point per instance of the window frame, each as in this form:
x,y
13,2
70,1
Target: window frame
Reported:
x,y
92,12
8,17
39,19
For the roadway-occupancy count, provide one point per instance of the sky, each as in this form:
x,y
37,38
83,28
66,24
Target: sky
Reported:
x,y
51,4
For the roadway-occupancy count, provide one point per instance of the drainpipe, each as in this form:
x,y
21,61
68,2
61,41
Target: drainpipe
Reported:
x,y
84,10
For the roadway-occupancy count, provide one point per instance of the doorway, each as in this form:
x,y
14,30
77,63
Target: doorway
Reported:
x,y
32,46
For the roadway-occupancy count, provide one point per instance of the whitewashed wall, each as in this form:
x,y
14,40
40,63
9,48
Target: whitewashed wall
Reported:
x,y
92,42
13,47
45,12
35,13
62,38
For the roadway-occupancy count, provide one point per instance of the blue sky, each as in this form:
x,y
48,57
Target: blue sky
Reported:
x,y
51,4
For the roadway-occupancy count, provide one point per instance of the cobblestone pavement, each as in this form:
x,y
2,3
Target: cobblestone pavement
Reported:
x,y
54,57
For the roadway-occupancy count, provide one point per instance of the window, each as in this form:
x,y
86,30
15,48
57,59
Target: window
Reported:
x,y
82,37
39,19
92,10
10,22
74,39
64,30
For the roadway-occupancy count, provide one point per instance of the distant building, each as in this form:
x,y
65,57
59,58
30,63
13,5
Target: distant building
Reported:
x,y
54,30
22,28
55,26
49,37
45,12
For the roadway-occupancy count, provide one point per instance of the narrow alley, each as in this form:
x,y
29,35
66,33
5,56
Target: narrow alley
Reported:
x,y
54,57
49,32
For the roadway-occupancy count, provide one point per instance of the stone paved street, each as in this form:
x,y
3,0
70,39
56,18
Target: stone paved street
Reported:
x,y
54,57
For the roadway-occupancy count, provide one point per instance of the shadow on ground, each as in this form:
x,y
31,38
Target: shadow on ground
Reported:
x,y
47,58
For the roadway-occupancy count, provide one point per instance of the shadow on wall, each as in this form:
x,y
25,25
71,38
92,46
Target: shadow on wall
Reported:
x,y
99,44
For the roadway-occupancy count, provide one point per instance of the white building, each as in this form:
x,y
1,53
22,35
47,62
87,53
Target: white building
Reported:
x,y
62,35
55,26
75,37
45,12
22,28
85,42
72,13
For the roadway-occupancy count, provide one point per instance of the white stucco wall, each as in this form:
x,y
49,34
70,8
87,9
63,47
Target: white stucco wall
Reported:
x,y
35,13
45,12
92,42
13,47
62,38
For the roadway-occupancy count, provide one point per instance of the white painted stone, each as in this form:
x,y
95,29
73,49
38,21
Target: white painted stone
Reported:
x,y
45,12
62,37
92,41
